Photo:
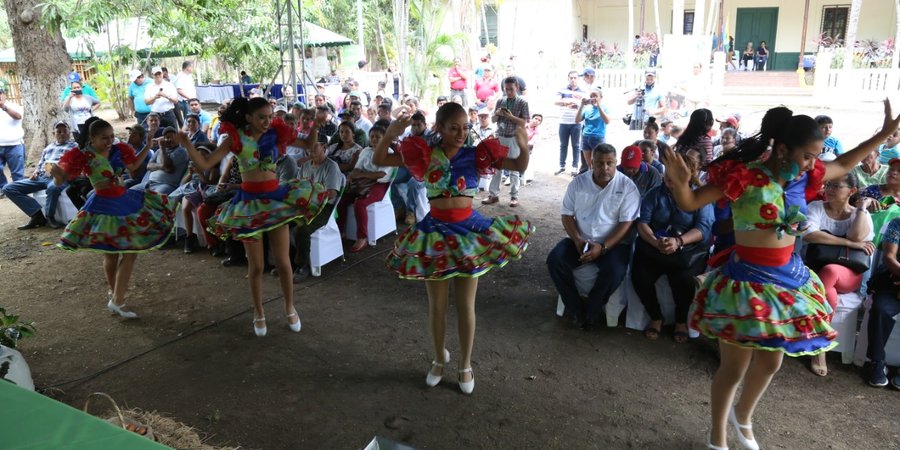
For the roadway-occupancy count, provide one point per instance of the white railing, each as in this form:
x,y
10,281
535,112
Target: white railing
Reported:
x,y
875,82
619,78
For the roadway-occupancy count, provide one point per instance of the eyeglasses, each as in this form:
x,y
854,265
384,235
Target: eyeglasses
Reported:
x,y
835,185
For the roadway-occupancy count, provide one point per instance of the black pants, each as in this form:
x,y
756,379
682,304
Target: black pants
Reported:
x,y
168,119
885,305
562,262
78,191
301,237
644,274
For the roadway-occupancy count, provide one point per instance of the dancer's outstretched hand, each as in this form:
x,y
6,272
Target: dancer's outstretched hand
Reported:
x,y
677,171
891,123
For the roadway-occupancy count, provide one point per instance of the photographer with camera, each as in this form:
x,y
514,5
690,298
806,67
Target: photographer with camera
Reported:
x,y
595,118
647,101
80,107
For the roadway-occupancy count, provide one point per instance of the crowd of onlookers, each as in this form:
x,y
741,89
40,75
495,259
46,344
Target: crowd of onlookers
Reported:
x,y
617,208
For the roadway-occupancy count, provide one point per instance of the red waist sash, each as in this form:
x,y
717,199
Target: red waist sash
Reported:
x,y
774,257
259,187
451,214
110,192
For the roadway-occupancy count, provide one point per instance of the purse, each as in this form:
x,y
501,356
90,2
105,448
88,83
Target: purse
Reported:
x,y
627,119
819,255
685,258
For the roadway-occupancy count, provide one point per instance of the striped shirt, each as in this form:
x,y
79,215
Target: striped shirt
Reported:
x,y
53,152
566,114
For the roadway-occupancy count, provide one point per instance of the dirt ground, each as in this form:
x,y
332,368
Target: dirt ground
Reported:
x,y
357,369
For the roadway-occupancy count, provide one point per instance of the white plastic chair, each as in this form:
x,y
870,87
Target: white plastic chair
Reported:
x,y
65,209
423,206
381,219
584,281
325,244
844,322
891,350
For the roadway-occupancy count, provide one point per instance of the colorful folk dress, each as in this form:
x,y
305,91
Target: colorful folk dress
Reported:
x,y
114,219
259,207
455,242
765,298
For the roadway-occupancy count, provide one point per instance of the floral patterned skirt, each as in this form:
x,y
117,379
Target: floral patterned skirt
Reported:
x,y
436,250
135,222
764,307
249,214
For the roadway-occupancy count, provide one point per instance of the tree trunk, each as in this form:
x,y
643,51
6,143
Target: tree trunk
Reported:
x,y
850,41
41,65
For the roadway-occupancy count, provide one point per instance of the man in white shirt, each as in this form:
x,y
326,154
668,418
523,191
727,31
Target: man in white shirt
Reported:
x,y
12,145
598,211
184,84
162,97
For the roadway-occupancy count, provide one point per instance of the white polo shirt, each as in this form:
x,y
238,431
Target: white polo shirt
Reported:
x,y
161,105
185,82
598,210
11,131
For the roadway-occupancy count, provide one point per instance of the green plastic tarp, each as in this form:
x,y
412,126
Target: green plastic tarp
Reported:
x,y
29,420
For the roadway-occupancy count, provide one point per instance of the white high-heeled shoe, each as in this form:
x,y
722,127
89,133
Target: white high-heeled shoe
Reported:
x,y
467,386
295,327
121,312
260,331
749,444
709,445
433,380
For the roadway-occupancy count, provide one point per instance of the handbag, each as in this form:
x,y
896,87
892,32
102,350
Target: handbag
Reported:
x,y
688,256
882,282
627,119
819,255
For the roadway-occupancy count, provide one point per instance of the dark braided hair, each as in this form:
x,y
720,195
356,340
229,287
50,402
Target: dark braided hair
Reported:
x,y
781,125
236,113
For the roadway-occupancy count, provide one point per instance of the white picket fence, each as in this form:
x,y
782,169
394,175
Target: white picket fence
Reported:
x,y
860,83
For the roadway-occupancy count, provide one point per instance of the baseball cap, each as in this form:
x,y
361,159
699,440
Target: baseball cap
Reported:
x,y
134,74
588,71
155,70
893,161
280,108
61,122
137,129
473,108
74,77
300,105
483,111
650,72
168,130
355,94
631,157
443,98
730,120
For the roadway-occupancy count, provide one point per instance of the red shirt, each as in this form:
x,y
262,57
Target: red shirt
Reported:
x,y
457,85
485,89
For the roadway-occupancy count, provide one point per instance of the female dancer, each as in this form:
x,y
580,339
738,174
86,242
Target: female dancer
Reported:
x,y
763,303
261,205
116,221
453,241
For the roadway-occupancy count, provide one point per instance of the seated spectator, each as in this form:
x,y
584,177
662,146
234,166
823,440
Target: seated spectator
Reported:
x,y
326,172
649,151
327,127
671,242
836,222
346,151
598,211
137,138
359,136
215,123
871,171
832,144
168,167
280,111
227,187
360,121
888,193
885,288
366,184
890,149
727,143
18,191
192,123
297,153
696,134
644,176
384,112
203,117
195,186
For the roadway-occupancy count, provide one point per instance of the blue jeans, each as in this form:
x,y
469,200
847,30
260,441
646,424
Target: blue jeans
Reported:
x,y
18,192
885,306
569,132
403,189
562,262
14,157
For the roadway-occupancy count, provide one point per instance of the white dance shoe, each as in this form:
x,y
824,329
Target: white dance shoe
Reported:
x,y
749,444
110,305
433,380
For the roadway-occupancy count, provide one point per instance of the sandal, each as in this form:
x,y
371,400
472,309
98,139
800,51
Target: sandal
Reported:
x,y
680,337
652,333
818,367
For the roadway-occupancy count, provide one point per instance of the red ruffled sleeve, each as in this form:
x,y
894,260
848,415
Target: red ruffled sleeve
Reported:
x,y
73,163
286,134
814,181
732,177
416,156
127,153
232,131
489,156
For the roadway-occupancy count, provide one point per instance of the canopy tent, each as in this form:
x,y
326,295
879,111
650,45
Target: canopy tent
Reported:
x,y
316,36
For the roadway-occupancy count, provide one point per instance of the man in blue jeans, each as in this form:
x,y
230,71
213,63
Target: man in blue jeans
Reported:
x,y
569,131
885,305
18,191
12,148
